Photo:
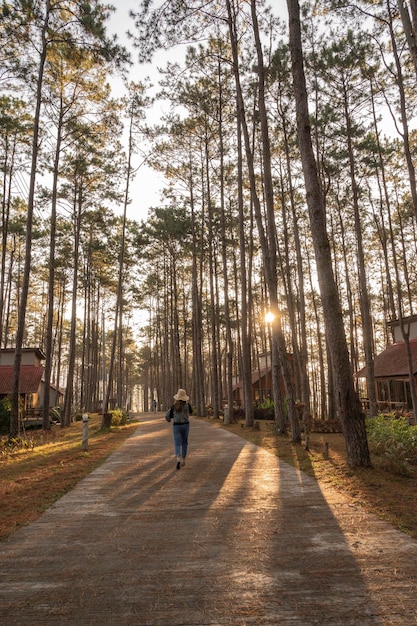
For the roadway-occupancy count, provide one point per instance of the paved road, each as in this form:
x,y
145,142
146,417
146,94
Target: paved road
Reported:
x,y
236,537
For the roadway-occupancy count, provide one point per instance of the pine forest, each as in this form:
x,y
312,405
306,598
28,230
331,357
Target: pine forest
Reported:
x,y
287,223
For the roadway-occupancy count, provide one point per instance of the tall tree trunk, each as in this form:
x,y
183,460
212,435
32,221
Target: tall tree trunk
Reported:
x,y
215,400
350,412
118,313
8,294
403,110
9,160
384,194
59,333
409,30
69,393
51,278
365,304
197,257
405,332
20,331
245,363
321,406
305,386
350,299
229,342
271,261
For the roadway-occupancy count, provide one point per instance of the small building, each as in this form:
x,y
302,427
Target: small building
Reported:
x,y
31,381
261,386
261,382
392,381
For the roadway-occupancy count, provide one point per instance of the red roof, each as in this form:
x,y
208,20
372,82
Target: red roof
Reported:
x,y
392,362
29,381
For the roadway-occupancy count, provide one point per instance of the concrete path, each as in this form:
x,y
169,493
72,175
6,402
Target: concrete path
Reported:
x,y
236,537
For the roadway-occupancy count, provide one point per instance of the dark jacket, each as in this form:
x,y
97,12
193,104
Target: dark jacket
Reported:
x,y
179,417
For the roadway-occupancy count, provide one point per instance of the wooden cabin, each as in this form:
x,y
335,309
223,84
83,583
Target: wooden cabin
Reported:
x,y
31,382
392,381
261,383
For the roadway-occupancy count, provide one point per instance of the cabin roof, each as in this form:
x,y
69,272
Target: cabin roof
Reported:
x,y
392,362
29,381
256,376
37,351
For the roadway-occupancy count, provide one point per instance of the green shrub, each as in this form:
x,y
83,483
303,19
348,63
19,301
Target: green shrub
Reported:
x,y
119,417
12,444
394,441
55,414
267,403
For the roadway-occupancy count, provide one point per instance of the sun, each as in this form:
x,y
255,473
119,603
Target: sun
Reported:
x,y
269,317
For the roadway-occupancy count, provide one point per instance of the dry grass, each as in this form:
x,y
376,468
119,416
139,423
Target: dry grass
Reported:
x,y
32,479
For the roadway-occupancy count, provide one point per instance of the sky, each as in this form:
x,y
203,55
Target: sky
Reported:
x,y
147,185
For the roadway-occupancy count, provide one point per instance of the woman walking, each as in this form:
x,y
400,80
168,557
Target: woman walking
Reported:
x,y
179,414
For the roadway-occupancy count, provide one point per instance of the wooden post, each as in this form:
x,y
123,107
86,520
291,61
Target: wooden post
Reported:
x,y
84,444
326,450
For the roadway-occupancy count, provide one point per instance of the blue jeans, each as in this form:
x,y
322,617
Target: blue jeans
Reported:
x,y
181,439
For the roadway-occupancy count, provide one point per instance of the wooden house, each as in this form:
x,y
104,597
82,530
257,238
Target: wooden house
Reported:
x,y
31,381
392,381
261,382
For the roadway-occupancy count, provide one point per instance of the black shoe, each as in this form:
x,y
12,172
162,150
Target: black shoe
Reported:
x,y
178,465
